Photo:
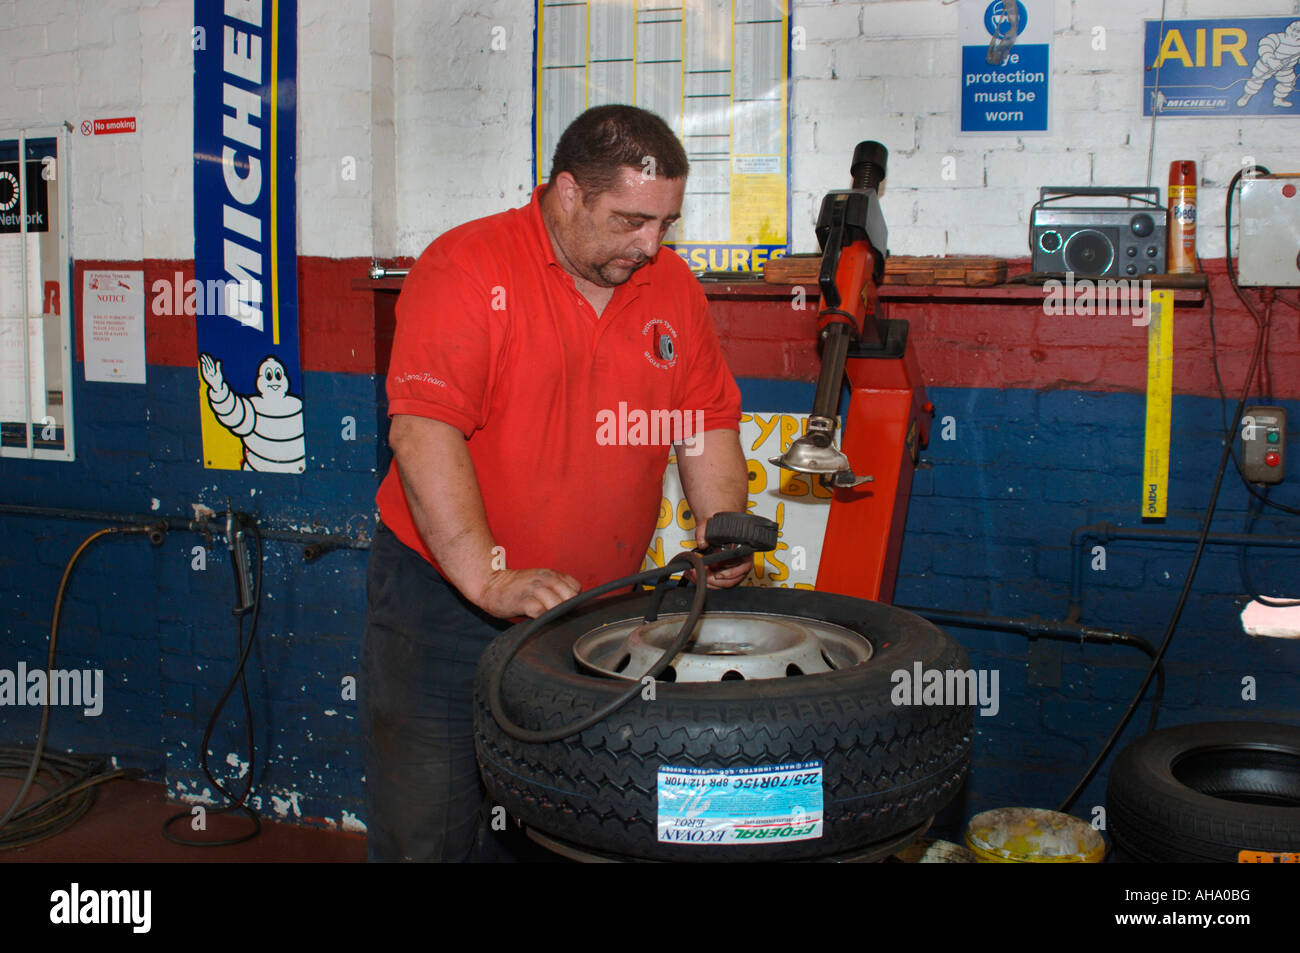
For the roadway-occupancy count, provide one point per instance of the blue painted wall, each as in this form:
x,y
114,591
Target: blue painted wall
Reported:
x,y
988,531
162,630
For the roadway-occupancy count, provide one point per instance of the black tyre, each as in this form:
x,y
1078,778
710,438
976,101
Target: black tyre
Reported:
x,y
886,768
1205,792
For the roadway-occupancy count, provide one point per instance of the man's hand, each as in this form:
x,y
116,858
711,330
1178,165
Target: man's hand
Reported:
x,y
508,593
442,490
721,575
716,480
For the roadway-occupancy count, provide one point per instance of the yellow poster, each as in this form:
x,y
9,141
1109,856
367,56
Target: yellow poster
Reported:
x,y
718,72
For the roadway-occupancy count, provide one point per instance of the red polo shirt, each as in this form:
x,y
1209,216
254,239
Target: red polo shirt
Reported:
x,y
569,417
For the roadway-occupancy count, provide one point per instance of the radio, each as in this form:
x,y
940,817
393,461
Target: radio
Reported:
x,y
1100,242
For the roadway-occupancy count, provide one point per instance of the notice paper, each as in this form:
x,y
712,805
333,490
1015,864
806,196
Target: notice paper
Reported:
x,y
112,326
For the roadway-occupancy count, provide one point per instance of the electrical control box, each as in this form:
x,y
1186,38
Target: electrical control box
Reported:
x,y
1269,247
1263,444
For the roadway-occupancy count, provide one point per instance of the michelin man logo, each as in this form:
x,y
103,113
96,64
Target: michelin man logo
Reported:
x,y
269,424
1276,57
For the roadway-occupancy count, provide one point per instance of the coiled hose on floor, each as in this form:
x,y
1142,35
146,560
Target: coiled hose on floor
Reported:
x,y
69,780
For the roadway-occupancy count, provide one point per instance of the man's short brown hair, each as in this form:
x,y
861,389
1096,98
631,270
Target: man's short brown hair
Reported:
x,y
603,140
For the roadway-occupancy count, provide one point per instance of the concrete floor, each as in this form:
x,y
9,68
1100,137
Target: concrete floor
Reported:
x,y
125,824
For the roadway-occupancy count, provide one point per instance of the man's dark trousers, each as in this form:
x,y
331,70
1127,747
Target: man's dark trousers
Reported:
x,y
423,639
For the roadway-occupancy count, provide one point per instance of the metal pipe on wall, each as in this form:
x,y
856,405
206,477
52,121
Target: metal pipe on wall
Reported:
x,y
314,544
1066,631
1104,532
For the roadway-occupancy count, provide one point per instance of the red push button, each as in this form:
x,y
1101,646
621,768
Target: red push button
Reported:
x,y
1272,458
1288,190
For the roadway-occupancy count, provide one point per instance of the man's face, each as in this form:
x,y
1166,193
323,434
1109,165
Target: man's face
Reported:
x,y
617,232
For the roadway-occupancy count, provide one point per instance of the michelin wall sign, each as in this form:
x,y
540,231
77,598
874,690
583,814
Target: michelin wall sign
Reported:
x,y
1228,66
245,235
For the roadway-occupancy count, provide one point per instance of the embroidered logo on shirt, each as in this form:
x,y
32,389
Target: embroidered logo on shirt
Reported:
x,y
424,376
661,343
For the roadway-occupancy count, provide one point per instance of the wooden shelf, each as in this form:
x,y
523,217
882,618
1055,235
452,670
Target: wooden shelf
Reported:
x,y
1193,292
1186,291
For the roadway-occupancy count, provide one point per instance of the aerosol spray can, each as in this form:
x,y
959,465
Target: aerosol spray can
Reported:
x,y
1182,217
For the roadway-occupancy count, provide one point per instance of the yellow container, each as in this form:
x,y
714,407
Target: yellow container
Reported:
x,y
1028,835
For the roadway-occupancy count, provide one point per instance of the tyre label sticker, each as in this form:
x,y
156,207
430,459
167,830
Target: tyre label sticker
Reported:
x,y
769,804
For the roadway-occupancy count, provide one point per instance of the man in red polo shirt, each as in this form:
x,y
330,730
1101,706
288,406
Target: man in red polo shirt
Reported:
x,y
545,361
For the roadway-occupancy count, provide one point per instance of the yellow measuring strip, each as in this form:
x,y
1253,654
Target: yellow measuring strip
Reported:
x,y
1160,393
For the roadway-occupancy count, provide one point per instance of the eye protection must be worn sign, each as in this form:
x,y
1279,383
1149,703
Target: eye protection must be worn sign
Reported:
x,y
770,804
1010,95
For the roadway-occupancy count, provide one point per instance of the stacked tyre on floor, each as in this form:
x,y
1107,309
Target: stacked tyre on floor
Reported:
x,y
1208,792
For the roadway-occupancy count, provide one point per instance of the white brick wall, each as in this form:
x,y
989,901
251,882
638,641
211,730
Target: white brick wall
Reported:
x,y
334,131
828,23
67,61
106,178
440,124
383,130
166,120
464,114
131,195
905,63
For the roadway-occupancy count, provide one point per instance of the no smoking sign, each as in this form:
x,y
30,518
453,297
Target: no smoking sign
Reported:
x,y
104,127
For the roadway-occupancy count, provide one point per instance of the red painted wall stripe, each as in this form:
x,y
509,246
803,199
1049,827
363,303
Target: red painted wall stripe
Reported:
x,y
1018,345
959,344
336,322
1015,344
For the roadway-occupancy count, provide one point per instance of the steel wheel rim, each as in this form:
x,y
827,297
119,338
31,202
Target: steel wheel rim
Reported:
x,y
726,646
